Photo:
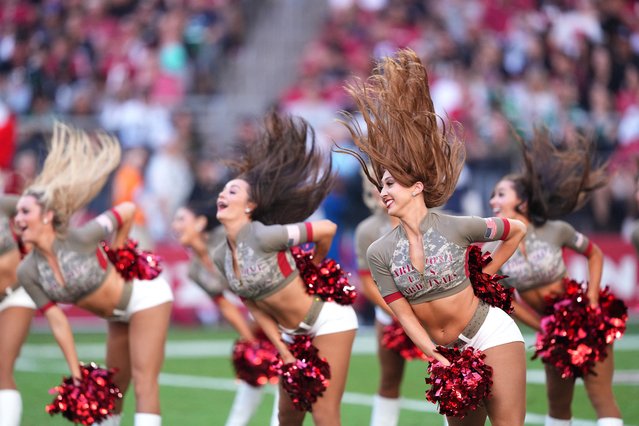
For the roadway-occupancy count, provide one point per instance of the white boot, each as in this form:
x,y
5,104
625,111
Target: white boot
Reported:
x,y
385,411
10,407
551,421
275,421
112,420
247,399
147,419
609,421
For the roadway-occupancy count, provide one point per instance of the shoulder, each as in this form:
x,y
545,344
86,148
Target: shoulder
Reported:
x,y
384,246
27,269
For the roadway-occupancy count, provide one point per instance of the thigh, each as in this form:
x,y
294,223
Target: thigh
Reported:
x,y
336,348
14,327
148,329
507,405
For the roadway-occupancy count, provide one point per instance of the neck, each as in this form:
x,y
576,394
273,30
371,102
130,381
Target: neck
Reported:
x,y
413,218
233,228
199,247
45,242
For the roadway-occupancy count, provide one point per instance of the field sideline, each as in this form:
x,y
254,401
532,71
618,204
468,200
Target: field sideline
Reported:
x,y
197,385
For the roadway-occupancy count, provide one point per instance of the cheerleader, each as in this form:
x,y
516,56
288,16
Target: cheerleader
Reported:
x,y
69,265
16,311
281,181
553,183
194,226
421,266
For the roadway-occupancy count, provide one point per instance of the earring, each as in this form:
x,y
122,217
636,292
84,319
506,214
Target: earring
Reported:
x,y
247,210
45,221
414,194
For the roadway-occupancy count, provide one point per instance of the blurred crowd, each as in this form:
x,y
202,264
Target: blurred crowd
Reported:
x,y
497,67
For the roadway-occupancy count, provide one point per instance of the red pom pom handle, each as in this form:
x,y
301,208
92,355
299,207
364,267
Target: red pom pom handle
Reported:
x,y
133,263
487,287
256,362
463,385
88,400
306,379
327,280
574,335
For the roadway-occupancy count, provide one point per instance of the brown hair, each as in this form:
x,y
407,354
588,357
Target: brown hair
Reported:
x,y
287,173
402,134
75,170
555,180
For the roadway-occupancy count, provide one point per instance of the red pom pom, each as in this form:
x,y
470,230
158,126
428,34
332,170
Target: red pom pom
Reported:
x,y
574,335
461,386
395,339
131,262
256,362
88,402
487,287
327,280
306,379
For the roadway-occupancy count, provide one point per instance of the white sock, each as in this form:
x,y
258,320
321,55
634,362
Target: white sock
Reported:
x,y
112,420
551,421
385,411
609,421
247,398
147,419
10,407
275,421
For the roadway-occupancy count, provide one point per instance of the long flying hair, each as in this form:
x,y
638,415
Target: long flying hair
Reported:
x,y
556,181
287,173
402,134
75,170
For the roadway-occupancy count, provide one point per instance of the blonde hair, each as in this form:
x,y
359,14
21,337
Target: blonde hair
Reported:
x,y
75,170
402,134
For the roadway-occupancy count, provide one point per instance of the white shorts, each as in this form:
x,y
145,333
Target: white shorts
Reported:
x,y
145,295
382,317
18,298
498,329
333,318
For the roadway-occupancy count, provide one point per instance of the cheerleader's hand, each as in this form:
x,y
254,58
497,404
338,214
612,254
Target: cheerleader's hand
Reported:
x,y
433,356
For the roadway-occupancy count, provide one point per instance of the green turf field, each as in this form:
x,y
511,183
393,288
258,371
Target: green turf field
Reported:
x,y
197,385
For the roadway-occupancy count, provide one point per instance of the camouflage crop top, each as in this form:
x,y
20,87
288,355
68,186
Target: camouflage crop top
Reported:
x,y
543,262
264,260
445,241
81,260
7,211
209,279
369,230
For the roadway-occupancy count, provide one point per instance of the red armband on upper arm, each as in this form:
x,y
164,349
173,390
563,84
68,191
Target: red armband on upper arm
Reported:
x,y
118,218
309,231
392,297
506,229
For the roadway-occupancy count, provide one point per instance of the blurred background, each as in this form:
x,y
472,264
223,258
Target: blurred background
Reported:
x,y
183,83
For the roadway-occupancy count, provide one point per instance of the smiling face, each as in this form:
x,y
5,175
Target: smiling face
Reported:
x,y
233,203
31,221
398,198
504,200
186,226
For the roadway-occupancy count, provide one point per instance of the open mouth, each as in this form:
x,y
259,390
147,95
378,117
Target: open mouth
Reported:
x,y
221,205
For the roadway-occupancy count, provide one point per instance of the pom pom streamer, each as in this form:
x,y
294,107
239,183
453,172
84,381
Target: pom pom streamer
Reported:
x,y
87,401
463,385
132,262
395,339
487,287
327,280
575,335
256,362
306,379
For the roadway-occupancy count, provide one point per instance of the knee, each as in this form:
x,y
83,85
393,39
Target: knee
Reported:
x,y
326,416
389,386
